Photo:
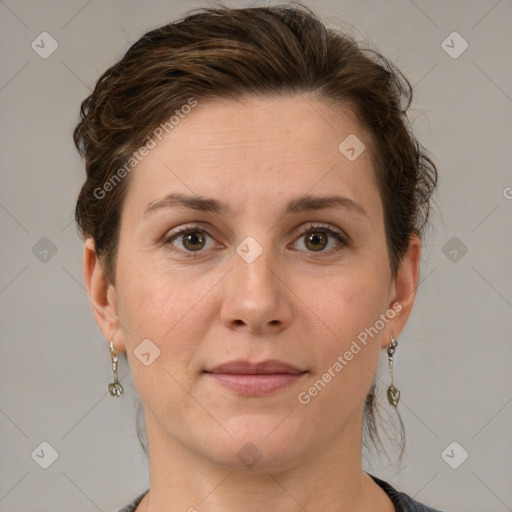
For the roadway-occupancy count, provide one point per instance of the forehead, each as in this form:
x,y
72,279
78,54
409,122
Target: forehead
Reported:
x,y
296,126
258,147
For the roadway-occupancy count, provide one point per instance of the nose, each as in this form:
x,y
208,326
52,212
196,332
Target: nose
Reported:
x,y
256,297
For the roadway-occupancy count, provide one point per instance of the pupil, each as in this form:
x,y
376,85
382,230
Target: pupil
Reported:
x,y
193,239
316,239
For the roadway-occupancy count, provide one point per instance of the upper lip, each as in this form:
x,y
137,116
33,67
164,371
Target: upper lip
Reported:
x,y
244,367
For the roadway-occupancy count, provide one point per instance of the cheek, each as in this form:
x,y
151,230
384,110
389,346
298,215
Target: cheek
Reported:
x,y
164,312
346,359
350,306
158,306
352,302
150,299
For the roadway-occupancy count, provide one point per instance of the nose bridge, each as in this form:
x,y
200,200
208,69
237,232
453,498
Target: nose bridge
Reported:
x,y
254,294
254,268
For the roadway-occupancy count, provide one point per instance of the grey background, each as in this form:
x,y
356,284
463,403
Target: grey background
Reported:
x,y
453,363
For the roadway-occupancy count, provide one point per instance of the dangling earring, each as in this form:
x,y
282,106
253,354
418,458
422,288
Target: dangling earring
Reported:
x,y
115,387
393,393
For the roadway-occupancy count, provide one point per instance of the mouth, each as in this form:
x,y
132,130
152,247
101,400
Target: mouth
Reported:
x,y
256,379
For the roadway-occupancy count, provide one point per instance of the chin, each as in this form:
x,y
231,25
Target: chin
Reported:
x,y
260,443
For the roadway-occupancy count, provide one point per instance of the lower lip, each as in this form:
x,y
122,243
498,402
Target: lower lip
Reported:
x,y
256,385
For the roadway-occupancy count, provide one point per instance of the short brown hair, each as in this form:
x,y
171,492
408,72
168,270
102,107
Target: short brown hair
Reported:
x,y
231,53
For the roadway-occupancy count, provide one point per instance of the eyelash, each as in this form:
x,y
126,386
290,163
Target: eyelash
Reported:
x,y
311,228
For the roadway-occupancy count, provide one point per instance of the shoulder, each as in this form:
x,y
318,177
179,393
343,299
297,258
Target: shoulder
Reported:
x,y
401,501
134,504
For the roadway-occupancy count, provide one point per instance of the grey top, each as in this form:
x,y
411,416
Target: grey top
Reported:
x,y
401,501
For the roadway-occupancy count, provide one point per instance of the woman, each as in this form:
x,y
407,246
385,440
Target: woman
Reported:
x,y
252,218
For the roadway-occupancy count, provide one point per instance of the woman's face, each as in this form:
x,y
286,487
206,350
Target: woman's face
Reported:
x,y
284,259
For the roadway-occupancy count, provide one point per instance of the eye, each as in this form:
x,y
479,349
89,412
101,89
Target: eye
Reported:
x,y
190,239
317,237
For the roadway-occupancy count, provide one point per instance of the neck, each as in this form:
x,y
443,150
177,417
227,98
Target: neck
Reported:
x,y
330,479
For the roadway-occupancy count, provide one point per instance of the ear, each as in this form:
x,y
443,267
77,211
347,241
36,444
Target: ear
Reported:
x,y
102,295
403,289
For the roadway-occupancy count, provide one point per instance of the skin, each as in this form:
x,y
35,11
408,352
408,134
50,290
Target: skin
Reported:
x,y
292,303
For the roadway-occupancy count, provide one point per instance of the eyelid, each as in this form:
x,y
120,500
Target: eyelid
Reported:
x,y
198,226
311,226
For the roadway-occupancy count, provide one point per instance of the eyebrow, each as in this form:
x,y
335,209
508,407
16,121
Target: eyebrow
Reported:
x,y
294,206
